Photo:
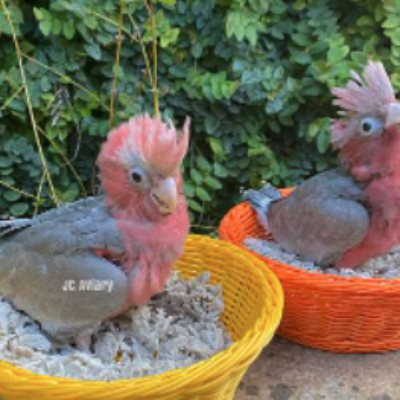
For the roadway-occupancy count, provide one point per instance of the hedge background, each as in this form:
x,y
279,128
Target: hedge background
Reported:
x,y
254,75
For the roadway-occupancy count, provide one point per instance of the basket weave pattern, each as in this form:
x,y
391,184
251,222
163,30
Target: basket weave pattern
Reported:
x,y
328,312
253,306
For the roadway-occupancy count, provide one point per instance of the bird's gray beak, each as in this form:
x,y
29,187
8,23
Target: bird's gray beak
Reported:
x,y
392,115
165,195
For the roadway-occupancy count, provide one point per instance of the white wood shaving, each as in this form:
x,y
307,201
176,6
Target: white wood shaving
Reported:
x,y
177,328
386,266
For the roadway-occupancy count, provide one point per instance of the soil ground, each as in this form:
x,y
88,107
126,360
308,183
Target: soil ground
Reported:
x,y
287,371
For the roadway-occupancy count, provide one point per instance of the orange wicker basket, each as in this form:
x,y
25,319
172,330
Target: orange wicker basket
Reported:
x,y
253,300
327,312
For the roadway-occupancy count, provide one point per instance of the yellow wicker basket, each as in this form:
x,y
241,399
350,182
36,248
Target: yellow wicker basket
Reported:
x,y
253,307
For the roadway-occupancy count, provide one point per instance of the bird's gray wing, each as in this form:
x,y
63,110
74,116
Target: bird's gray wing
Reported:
x,y
11,226
322,218
82,225
48,268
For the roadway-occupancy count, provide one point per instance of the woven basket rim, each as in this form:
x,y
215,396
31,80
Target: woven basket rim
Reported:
x,y
202,369
307,277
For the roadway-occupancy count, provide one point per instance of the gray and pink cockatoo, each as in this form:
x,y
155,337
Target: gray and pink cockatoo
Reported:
x,y
346,216
125,241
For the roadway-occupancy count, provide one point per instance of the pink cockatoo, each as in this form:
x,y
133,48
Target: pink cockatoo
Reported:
x,y
75,266
349,215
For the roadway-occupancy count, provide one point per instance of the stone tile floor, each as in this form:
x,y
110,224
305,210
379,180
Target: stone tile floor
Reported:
x,y
287,371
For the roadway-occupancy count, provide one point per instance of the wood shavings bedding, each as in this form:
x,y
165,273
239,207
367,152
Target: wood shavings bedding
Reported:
x,y
387,266
177,328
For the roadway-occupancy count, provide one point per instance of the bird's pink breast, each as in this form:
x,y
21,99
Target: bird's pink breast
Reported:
x,y
377,168
152,249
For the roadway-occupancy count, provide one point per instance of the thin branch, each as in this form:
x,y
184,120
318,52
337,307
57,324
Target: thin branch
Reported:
x,y
10,99
39,193
112,22
67,79
65,159
29,103
16,190
153,21
116,65
144,52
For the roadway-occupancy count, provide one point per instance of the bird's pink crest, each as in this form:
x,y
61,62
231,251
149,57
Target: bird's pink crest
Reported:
x,y
362,97
159,145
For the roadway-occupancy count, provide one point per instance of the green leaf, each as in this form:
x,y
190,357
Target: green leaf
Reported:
x,y
395,78
69,29
220,171
41,14
202,194
243,23
93,50
216,146
45,27
299,4
197,50
313,129
301,39
301,58
203,164
195,206
56,27
323,142
213,183
189,189
167,2
7,171
19,209
259,6
5,162
251,34
169,37
393,21
11,195
365,21
38,13
196,176
336,54
212,123
45,84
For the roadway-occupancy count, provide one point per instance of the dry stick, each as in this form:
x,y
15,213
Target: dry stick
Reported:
x,y
137,39
39,193
29,103
78,128
67,79
116,66
11,98
16,190
153,20
66,160
112,22
144,52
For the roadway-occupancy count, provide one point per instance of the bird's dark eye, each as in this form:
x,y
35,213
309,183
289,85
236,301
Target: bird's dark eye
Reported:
x,y
370,126
137,176
366,126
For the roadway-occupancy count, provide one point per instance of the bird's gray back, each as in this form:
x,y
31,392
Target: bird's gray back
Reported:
x,y
322,218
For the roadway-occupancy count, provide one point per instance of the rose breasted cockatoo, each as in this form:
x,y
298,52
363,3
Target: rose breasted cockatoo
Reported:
x,y
351,214
130,236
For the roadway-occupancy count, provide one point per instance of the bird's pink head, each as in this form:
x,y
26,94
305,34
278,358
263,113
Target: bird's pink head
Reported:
x,y
368,106
140,166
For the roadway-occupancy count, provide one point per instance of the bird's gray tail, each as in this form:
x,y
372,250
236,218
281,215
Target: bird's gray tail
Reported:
x,y
261,200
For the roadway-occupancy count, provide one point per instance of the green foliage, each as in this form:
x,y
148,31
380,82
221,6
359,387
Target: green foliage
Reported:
x,y
254,76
